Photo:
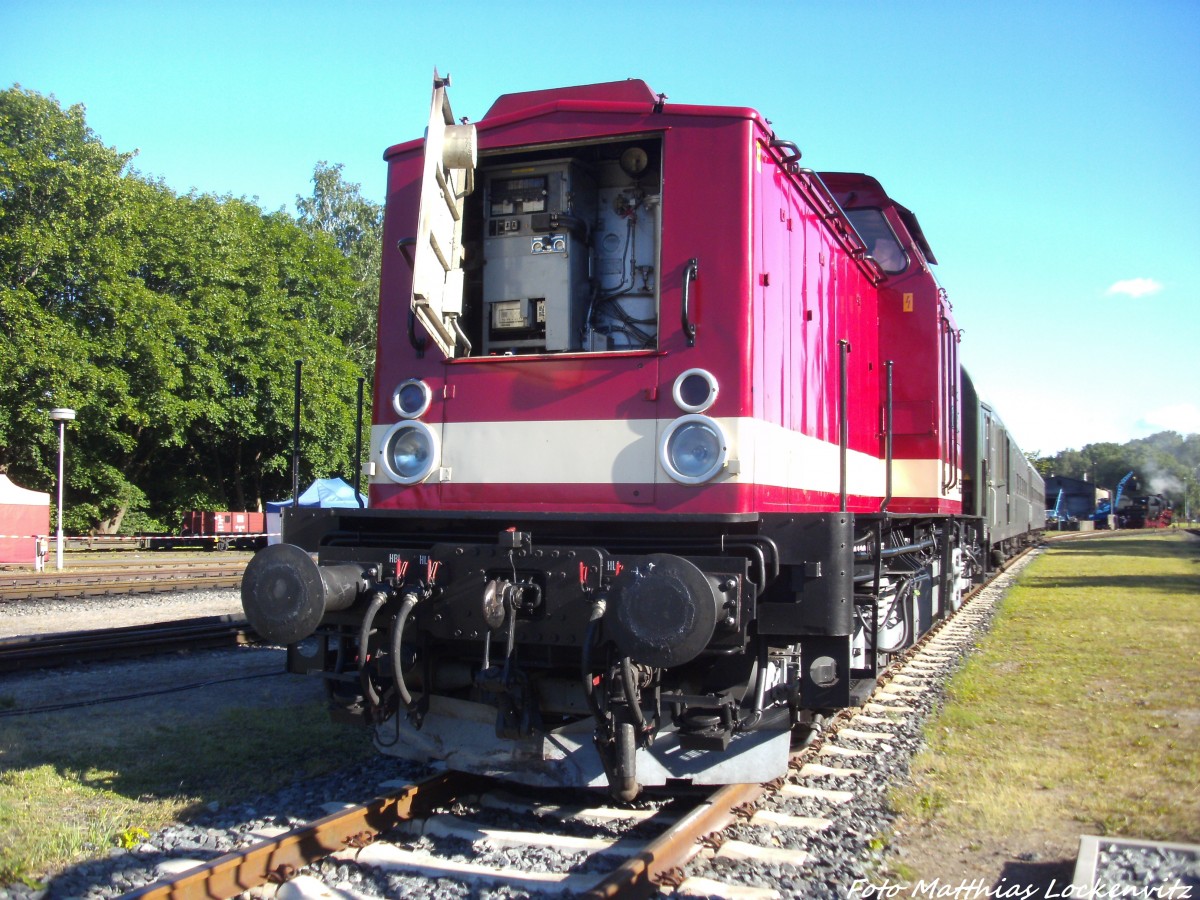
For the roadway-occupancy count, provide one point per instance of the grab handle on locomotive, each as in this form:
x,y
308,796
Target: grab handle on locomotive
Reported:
x,y
404,245
690,272
790,160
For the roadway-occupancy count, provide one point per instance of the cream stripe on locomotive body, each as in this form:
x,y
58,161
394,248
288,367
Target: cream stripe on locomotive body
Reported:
x,y
623,451
669,451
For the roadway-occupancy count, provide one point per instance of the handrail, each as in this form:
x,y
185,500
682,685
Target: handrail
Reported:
x,y
950,390
843,419
887,497
690,272
789,161
402,245
847,236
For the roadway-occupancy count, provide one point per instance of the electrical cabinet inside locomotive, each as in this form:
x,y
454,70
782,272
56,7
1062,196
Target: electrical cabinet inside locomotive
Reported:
x,y
563,250
535,256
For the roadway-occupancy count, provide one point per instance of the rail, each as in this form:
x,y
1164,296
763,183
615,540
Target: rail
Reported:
x,y
279,858
66,648
147,579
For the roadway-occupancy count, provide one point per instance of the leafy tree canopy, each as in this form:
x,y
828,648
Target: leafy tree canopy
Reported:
x,y
355,224
1166,463
170,324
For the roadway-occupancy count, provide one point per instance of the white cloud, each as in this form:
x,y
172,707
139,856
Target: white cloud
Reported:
x,y
1135,287
1181,417
1075,420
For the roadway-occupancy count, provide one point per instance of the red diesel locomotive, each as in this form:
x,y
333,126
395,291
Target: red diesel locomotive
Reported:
x,y
667,453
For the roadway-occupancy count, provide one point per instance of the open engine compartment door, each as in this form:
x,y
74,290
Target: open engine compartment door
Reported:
x,y
447,177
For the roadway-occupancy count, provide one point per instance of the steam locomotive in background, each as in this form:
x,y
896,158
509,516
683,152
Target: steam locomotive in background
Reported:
x,y
1145,511
671,451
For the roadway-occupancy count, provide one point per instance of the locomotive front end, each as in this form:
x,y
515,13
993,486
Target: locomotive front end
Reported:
x,y
664,463
558,575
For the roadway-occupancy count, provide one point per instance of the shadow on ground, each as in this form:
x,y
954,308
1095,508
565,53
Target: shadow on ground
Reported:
x,y
1138,544
1034,880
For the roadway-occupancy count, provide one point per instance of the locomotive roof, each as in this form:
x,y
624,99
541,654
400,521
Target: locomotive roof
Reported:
x,y
630,96
854,189
632,90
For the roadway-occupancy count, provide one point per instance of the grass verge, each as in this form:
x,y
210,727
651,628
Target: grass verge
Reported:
x,y
73,785
1080,713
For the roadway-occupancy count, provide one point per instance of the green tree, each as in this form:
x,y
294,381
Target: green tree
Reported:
x,y
1165,463
1043,464
169,323
338,209
259,292
64,256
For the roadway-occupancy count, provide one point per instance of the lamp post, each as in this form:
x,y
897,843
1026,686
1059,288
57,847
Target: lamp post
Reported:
x,y
62,416
1187,494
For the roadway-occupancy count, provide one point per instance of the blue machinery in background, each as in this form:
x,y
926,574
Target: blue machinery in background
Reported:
x,y
1105,509
1116,504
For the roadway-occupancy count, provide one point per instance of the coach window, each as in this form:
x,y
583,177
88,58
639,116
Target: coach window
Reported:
x,y
881,241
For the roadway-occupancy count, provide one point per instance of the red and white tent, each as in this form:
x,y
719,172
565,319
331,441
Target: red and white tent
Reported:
x,y
24,515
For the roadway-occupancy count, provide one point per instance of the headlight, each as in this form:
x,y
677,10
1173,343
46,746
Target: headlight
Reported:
x,y
411,398
693,449
410,451
695,390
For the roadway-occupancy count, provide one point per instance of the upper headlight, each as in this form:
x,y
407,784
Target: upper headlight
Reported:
x,y
693,449
410,451
411,398
695,390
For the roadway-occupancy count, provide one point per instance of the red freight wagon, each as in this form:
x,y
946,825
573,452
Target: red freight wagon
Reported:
x,y
206,522
644,498
212,530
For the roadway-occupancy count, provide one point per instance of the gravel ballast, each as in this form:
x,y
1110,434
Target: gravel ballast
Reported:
x,y
59,616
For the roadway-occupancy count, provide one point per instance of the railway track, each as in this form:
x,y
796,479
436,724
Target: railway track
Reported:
x,y
99,580
634,850
756,838
155,561
48,650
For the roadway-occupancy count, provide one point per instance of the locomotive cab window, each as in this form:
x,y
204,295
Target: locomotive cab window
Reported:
x,y
880,239
563,249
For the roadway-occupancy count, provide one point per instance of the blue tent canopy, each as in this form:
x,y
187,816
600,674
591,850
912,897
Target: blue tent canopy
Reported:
x,y
325,493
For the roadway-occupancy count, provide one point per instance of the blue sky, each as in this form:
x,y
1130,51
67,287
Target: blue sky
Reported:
x,y
1051,150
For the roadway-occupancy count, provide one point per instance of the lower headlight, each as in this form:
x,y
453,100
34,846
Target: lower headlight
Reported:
x,y
693,449
410,451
